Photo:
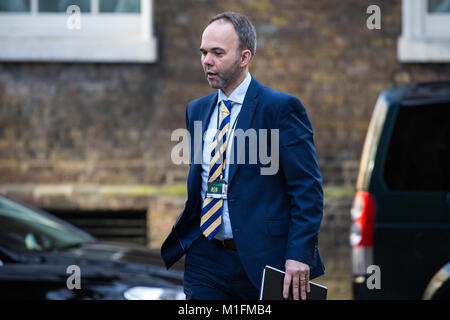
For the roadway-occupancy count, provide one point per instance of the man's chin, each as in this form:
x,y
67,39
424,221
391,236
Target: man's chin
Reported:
x,y
214,84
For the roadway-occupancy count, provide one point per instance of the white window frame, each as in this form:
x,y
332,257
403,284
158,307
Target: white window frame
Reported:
x,y
104,37
425,37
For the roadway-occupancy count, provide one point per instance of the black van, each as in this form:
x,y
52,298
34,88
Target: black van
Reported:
x,y
401,209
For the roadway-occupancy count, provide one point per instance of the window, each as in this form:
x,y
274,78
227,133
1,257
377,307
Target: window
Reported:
x,y
419,152
108,30
24,229
425,31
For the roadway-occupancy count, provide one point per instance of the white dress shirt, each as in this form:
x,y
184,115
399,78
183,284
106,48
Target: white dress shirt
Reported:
x,y
237,96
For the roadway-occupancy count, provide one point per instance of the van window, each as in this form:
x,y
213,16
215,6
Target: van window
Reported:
x,y
371,142
419,152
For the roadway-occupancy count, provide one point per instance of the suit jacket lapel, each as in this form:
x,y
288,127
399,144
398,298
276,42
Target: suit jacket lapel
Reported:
x,y
204,116
244,120
207,110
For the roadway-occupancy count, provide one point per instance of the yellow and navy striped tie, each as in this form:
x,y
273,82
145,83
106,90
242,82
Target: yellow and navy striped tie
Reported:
x,y
211,218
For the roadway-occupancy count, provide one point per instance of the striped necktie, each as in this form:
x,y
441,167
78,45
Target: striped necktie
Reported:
x,y
211,218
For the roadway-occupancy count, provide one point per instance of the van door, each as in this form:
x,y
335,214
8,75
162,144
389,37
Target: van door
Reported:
x,y
411,187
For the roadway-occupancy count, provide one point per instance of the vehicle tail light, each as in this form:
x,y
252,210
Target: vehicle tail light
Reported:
x,y
361,232
363,214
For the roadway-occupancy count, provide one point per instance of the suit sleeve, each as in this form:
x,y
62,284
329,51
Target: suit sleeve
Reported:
x,y
300,167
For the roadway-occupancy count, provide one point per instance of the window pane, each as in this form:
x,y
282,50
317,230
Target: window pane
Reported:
x,y
439,6
419,153
62,5
120,6
14,5
25,229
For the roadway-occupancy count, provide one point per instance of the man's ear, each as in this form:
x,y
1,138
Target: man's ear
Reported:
x,y
246,56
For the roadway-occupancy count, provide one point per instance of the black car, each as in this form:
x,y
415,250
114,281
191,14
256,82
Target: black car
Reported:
x,y
401,210
43,257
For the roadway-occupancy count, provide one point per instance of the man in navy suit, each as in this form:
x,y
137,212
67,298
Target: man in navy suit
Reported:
x,y
258,215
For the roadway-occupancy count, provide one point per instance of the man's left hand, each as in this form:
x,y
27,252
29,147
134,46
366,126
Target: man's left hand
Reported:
x,y
297,273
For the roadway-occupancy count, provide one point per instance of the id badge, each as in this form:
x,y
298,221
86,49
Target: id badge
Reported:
x,y
217,189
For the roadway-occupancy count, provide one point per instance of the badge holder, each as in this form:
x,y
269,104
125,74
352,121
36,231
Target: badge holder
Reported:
x,y
217,189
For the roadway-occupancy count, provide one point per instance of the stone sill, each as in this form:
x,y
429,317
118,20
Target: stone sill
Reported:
x,y
23,49
92,197
423,50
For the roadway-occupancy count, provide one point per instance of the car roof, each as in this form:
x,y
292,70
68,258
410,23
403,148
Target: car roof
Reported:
x,y
421,93
429,90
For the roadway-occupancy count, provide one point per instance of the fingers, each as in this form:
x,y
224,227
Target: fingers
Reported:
x,y
308,288
286,285
298,274
295,285
303,284
300,285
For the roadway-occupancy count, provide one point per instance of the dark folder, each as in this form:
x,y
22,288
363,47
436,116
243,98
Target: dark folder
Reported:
x,y
272,287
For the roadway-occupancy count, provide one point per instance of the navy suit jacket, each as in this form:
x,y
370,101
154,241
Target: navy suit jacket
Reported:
x,y
273,217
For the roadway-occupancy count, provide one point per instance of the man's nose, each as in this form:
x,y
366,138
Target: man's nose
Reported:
x,y
207,60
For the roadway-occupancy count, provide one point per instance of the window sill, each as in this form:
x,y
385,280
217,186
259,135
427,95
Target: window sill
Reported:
x,y
423,50
81,49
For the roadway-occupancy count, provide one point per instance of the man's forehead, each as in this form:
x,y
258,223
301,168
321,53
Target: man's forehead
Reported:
x,y
219,33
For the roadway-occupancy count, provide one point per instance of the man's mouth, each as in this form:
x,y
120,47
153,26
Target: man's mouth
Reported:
x,y
211,75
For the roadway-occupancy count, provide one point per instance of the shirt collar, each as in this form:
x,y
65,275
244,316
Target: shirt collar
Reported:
x,y
238,94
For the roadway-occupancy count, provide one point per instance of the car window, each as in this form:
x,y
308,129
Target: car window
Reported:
x,y
371,142
25,229
419,152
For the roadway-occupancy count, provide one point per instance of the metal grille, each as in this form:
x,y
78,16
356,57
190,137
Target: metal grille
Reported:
x,y
118,226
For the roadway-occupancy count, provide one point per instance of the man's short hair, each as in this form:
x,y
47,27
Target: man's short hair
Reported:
x,y
243,27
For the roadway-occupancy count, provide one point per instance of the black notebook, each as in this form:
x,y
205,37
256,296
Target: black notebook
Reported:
x,y
272,287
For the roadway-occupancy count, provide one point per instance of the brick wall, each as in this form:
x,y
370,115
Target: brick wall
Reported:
x,y
111,123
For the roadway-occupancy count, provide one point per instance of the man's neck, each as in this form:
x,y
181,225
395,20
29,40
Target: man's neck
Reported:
x,y
229,90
